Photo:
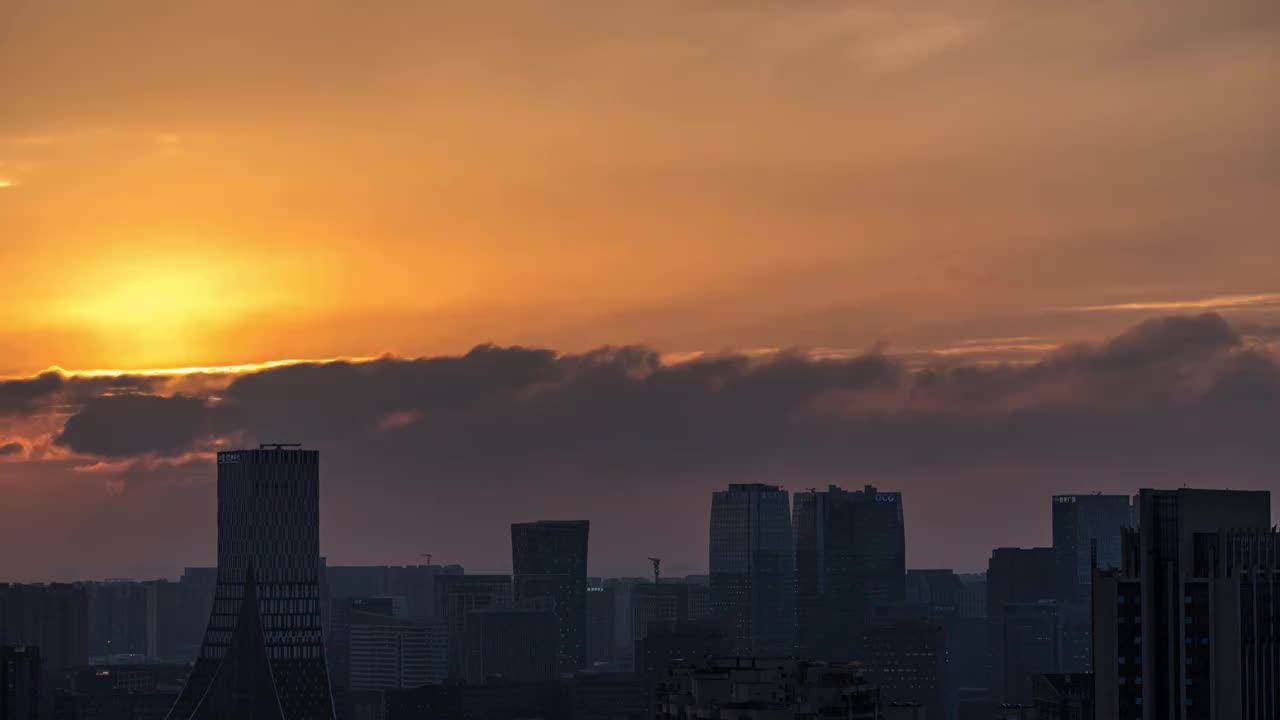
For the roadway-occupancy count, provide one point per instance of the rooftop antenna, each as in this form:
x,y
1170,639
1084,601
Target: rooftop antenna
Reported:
x,y
657,564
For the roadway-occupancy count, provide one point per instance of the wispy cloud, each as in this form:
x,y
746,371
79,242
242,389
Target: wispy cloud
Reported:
x,y
1219,302
240,369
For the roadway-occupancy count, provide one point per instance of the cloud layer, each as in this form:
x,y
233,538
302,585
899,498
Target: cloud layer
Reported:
x,y
1177,385
507,432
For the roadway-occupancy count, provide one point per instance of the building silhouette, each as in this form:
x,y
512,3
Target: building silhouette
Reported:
x,y
549,561
602,625
751,565
373,645
457,596
904,652
196,589
19,682
415,583
1064,696
766,688
1030,645
511,645
53,618
1086,530
263,654
669,643
1086,527
944,588
1015,576
666,602
1187,627
850,557
390,652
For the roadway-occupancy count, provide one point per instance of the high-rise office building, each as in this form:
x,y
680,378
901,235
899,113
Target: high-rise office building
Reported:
x,y
602,609
1086,529
751,563
263,654
1186,629
1082,526
850,557
549,560
19,683
1015,576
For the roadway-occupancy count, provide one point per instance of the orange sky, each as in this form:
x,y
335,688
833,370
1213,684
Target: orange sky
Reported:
x,y
195,183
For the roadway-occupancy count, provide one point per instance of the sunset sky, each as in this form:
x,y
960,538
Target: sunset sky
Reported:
x,y
887,213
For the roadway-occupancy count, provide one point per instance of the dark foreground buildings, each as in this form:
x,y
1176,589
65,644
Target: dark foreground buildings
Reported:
x,y
19,683
53,618
549,563
1020,592
751,565
766,688
850,557
263,655
1187,629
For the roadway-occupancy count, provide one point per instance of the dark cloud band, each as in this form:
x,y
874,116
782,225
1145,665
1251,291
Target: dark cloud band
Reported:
x,y
1169,387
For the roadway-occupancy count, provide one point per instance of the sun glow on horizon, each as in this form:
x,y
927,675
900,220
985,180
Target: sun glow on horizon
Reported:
x,y
234,369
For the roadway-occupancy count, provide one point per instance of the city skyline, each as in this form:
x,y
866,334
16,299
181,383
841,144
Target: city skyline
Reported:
x,y
583,360
280,623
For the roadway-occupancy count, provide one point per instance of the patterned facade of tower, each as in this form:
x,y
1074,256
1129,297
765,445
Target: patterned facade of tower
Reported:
x,y
263,652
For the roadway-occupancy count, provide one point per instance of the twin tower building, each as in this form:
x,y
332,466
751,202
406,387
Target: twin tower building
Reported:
x,y
804,574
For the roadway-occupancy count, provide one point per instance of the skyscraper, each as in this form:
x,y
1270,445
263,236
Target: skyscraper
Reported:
x,y
751,567
602,608
850,556
1186,628
263,654
1015,576
1085,528
1081,524
549,561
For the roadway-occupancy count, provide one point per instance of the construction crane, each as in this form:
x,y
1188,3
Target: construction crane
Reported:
x,y
657,564
427,556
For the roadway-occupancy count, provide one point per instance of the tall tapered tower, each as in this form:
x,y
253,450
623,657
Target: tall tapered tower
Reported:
x,y
263,654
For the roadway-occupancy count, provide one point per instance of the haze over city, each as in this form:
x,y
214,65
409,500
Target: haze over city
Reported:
x,y
506,261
